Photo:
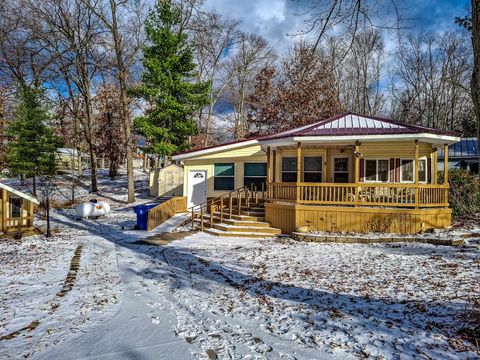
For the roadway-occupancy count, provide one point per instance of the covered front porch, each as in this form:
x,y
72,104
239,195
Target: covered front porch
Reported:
x,y
374,186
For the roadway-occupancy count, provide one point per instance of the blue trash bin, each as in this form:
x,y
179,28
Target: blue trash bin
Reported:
x,y
142,215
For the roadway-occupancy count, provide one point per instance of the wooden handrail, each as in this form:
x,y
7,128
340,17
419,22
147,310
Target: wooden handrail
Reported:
x,y
217,204
165,211
370,194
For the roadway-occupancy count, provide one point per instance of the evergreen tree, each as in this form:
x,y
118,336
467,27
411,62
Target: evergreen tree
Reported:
x,y
32,145
168,84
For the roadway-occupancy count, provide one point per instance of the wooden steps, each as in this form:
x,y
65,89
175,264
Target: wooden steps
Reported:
x,y
251,235
244,219
242,228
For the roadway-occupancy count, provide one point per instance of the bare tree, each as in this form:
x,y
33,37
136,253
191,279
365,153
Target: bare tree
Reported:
x,y
109,113
475,82
358,74
251,55
430,85
346,18
213,38
298,93
123,20
73,35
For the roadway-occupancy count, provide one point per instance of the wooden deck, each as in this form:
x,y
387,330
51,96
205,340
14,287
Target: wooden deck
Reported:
x,y
362,207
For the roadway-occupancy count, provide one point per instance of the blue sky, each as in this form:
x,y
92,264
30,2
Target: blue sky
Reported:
x,y
274,19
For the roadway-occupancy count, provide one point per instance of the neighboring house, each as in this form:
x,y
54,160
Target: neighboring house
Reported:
x,y
71,158
167,181
16,210
462,155
347,173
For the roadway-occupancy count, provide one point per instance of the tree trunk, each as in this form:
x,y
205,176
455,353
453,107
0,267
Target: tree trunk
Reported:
x,y
34,185
93,167
475,83
123,95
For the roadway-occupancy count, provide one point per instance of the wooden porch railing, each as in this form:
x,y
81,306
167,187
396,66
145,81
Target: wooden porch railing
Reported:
x,y
18,223
165,211
246,195
366,194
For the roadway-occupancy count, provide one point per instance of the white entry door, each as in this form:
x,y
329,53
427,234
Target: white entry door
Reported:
x,y
197,187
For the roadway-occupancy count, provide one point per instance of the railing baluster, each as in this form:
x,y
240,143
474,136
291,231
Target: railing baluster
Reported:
x,y
211,215
230,205
221,209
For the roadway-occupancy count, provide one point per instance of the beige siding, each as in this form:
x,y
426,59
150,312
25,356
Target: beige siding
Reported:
x,y
208,165
252,150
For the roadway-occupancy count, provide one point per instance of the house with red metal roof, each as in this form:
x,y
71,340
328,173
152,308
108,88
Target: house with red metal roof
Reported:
x,y
348,173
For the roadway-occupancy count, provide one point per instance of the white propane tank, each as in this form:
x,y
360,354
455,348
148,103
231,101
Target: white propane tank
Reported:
x,y
90,209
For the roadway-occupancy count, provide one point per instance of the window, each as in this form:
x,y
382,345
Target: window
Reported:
x,y
340,170
406,170
371,170
376,170
289,169
224,176
422,170
15,207
312,171
255,174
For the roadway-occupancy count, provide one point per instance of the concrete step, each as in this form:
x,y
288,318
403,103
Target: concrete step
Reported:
x,y
251,235
247,229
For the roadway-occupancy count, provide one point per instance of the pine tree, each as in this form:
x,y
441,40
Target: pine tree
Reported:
x,y
32,145
168,84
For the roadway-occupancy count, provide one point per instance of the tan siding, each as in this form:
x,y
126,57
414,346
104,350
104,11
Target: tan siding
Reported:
x,y
252,150
209,166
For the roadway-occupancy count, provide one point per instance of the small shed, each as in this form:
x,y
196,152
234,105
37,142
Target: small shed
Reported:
x,y
16,210
461,155
69,158
167,181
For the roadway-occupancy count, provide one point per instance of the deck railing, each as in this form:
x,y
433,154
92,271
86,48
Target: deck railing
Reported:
x,y
226,205
165,211
362,194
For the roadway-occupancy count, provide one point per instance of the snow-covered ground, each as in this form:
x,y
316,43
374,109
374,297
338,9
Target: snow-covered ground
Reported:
x,y
206,297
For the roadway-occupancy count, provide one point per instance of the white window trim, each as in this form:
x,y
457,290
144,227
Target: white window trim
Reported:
x,y
414,171
376,170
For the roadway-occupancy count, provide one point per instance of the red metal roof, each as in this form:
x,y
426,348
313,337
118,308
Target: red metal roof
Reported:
x,y
355,124
346,124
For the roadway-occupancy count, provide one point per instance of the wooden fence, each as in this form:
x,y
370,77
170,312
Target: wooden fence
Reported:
x,y
165,211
